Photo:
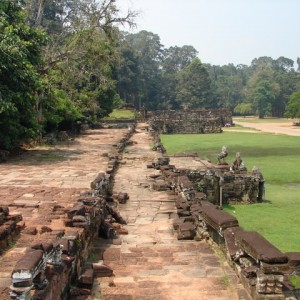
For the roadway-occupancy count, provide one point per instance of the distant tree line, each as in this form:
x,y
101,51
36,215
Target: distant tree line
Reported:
x,y
63,62
159,78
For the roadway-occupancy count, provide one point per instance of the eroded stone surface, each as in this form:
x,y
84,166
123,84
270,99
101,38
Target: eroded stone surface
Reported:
x,y
43,184
151,263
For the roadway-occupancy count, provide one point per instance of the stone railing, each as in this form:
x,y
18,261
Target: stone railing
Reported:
x,y
262,268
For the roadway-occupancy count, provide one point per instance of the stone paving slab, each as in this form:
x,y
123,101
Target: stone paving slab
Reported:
x,y
151,263
34,182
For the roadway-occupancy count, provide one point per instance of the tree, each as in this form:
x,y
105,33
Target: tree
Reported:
x,y
173,61
263,95
193,89
262,89
244,109
148,51
81,57
20,58
293,106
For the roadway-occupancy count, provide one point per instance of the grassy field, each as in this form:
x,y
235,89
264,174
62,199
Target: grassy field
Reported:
x,y
120,114
278,217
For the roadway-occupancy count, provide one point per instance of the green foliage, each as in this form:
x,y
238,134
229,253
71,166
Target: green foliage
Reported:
x,y
278,158
20,56
193,89
244,109
293,106
121,114
58,110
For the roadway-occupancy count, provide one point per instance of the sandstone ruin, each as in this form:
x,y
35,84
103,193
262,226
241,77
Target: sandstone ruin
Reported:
x,y
190,121
48,259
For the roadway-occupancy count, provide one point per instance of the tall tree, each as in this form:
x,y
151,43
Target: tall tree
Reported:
x,y
293,106
148,51
81,57
173,61
20,57
193,89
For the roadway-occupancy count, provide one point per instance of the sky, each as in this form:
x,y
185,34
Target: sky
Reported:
x,y
223,31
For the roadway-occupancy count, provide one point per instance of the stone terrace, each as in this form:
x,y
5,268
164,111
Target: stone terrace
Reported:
x,y
149,262
43,178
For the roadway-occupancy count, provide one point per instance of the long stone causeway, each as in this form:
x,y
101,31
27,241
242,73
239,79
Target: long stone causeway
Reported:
x,y
91,219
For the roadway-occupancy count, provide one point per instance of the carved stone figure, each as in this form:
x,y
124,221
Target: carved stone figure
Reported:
x,y
238,164
223,155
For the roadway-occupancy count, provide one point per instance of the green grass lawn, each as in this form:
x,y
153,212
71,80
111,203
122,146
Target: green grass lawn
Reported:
x,y
120,114
238,127
278,217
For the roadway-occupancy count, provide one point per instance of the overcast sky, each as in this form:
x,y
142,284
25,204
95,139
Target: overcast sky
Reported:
x,y
223,31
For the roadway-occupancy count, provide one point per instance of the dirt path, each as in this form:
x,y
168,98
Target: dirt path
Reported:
x,y
151,263
277,128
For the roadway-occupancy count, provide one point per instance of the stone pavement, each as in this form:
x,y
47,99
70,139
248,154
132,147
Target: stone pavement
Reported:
x,y
149,262
43,182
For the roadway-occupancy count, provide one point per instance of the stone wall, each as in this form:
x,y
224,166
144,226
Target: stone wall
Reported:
x,y
190,121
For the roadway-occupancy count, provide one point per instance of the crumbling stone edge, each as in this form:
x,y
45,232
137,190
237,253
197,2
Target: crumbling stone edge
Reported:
x,y
262,268
56,267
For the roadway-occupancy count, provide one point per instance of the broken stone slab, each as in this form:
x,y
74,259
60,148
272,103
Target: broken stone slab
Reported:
x,y
279,269
27,268
30,230
45,229
186,231
122,231
76,292
79,219
122,197
184,182
229,237
294,262
86,279
67,246
159,185
218,219
163,161
256,246
99,181
183,212
106,230
4,210
182,204
14,217
115,214
77,209
101,270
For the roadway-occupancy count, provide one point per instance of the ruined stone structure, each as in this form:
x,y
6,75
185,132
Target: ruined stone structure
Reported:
x,y
54,265
262,268
57,259
190,121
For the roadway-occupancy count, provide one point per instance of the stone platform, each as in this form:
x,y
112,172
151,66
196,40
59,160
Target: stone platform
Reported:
x,y
149,262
